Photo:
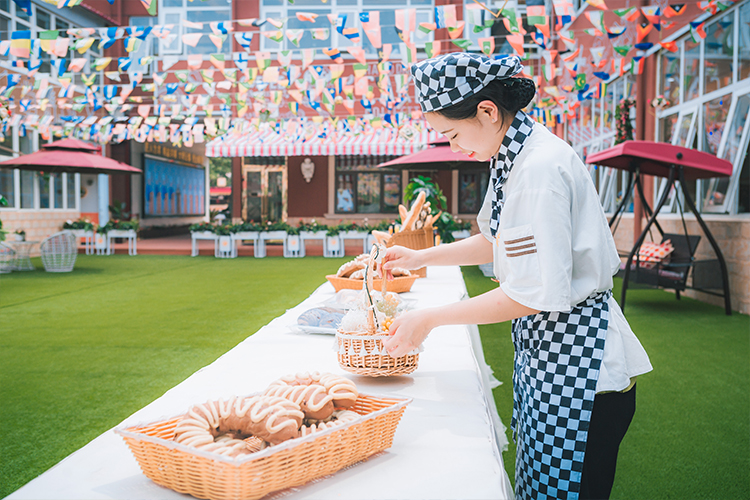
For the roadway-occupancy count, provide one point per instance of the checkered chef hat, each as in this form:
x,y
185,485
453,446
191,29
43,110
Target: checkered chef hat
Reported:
x,y
449,79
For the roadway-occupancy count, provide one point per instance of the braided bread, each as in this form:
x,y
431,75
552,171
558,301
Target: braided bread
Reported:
x,y
342,390
269,418
339,417
313,400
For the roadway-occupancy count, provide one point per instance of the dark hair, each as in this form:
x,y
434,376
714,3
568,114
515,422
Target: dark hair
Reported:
x,y
510,95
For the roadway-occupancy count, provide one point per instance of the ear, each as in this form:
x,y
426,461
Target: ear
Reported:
x,y
489,110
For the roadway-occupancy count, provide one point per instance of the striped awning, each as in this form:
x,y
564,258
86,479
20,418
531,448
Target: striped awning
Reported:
x,y
384,141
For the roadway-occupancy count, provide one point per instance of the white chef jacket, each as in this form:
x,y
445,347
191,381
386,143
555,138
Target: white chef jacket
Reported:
x,y
554,247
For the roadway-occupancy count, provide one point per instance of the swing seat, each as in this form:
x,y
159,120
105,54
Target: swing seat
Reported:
x,y
670,275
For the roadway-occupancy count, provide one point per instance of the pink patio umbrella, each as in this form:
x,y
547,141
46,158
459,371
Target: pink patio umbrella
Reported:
x,y
437,156
69,155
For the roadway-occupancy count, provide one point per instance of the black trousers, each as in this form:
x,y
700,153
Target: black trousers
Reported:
x,y
610,420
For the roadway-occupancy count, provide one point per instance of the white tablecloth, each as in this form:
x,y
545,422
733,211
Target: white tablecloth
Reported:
x,y
446,446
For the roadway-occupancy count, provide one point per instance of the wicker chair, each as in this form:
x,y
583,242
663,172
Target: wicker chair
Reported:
x,y
7,258
59,252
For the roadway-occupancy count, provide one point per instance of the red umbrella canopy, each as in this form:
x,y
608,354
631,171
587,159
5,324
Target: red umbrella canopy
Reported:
x,y
69,155
73,145
438,156
656,158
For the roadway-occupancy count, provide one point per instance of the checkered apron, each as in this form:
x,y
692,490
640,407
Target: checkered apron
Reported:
x,y
556,368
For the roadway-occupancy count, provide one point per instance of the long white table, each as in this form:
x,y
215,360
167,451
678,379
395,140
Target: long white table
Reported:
x,y
447,445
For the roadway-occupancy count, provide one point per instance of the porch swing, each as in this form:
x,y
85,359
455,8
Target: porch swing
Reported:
x,y
676,164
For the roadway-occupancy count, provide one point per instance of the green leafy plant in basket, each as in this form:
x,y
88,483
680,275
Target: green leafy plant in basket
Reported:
x,y
445,224
201,227
84,224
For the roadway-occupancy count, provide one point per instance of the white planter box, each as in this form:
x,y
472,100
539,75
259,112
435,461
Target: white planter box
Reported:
x,y
293,242
225,247
14,237
273,235
353,235
312,235
460,235
246,235
203,235
81,233
100,241
121,233
334,242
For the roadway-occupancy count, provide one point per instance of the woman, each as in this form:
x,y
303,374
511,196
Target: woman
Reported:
x,y
576,358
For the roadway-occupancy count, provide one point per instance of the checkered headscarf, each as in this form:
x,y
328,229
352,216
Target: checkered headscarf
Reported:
x,y
502,162
449,79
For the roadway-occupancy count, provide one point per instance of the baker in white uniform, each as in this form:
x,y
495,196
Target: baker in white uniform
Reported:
x,y
576,358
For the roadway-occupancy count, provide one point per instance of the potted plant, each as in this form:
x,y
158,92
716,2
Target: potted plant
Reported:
x,y
461,229
247,230
18,235
313,230
203,230
274,231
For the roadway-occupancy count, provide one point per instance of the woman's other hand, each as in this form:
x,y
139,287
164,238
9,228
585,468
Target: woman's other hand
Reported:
x,y
405,258
407,332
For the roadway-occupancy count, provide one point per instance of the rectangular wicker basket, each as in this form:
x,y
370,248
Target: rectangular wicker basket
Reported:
x,y
400,284
417,239
293,463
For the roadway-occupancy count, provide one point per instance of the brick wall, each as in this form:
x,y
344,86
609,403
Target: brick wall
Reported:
x,y
38,224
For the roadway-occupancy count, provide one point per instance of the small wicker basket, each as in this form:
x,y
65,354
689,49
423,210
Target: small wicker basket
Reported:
x,y
417,239
293,463
364,354
396,285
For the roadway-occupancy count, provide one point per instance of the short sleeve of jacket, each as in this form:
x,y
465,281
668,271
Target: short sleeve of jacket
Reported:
x,y
485,213
534,247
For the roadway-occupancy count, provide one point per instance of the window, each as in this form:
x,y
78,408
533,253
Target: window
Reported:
x,y
670,76
27,189
205,12
278,9
56,197
472,185
7,186
71,190
719,54
744,42
733,149
44,190
363,188
692,69
715,114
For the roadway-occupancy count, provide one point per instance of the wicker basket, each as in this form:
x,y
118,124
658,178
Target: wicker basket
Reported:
x,y
293,463
364,354
397,285
417,239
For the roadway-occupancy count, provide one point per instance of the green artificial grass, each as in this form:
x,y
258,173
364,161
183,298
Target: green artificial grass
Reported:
x,y
82,351
690,437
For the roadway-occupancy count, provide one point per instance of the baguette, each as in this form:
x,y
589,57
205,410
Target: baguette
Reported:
x,y
403,212
416,208
381,236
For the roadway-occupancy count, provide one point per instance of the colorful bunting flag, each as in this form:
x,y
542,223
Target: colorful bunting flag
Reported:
x,y
487,45
432,49
629,14
20,43
307,16
295,35
321,33
371,24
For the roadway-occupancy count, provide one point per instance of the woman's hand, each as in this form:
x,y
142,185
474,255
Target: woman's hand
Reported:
x,y
405,258
407,332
